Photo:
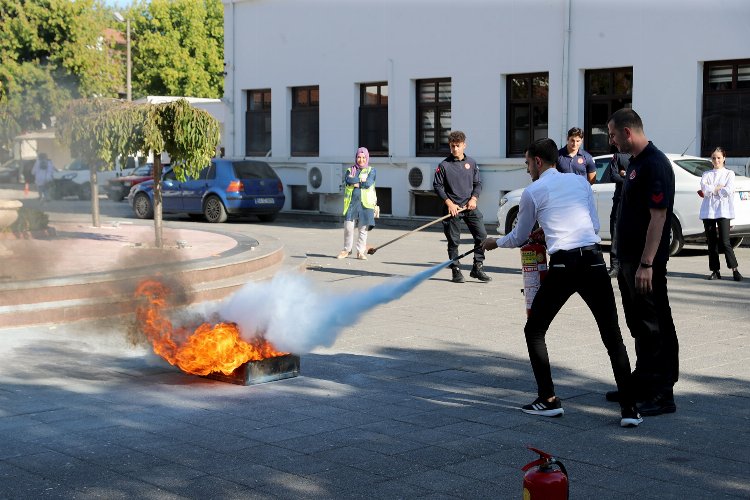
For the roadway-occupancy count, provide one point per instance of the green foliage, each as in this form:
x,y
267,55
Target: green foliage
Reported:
x,y
178,48
29,219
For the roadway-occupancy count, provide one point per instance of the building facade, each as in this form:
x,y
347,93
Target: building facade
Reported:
x,y
308,81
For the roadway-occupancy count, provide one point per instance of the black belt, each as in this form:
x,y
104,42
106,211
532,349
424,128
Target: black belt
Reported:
x,y
580,250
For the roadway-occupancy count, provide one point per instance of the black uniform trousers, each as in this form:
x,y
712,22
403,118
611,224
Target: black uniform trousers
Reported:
x,y
584,272
649,319
719,242
452,230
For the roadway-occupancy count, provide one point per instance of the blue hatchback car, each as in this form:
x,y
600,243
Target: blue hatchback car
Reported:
x,y
225,187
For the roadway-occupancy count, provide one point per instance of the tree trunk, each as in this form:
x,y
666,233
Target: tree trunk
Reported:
x,y
94,196
157,201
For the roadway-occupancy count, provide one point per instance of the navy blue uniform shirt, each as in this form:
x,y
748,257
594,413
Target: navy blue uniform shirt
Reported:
x,y
582,163
649,183
457,179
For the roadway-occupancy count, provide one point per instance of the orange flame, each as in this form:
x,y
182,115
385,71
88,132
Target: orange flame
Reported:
x,y
208,348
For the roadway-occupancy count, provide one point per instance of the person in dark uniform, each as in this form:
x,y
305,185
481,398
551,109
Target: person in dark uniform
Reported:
x,y
617,168
643,228
564,206
573,159
457,183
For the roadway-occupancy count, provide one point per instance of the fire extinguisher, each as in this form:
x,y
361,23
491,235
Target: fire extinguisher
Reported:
x,y
534,269
545,478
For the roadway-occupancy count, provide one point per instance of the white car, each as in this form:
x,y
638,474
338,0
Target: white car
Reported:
x,y
685,224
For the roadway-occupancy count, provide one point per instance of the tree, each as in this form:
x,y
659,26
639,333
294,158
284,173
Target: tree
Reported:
x,y
107,130
178,48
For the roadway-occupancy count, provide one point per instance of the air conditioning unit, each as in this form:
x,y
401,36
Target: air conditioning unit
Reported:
x,y
324,177
420,176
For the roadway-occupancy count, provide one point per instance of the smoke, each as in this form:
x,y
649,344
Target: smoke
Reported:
x,y
295,317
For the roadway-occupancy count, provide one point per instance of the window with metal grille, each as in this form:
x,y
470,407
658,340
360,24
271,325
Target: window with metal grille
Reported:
x,y
258,123
726,107
607,90
305,124
373,118
527,97
433,116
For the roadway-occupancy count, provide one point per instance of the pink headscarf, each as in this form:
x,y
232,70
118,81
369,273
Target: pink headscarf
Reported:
x,y
367,157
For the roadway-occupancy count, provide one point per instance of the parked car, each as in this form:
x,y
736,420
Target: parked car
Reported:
x,y
225,187
75,180
686,226
118,188
12,171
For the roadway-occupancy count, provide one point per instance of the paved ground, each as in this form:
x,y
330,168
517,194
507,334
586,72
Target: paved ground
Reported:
x,y
418,400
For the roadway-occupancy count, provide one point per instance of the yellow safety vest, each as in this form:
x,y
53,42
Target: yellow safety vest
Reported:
x,y
369,198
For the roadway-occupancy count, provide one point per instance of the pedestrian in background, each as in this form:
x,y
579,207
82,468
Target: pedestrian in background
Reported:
x,y
43,175
458,184
564,206
360,201
572,158
617,168
643,230
717,209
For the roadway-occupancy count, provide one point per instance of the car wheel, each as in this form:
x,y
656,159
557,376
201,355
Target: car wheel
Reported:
x,y
676,241
213,210
142,206
511,221
268,217
84,193
735,242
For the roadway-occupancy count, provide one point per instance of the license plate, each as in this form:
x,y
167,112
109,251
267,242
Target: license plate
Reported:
x,y
744,195
264,201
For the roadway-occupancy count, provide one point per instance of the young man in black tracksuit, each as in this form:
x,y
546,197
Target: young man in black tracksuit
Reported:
x,y
458,184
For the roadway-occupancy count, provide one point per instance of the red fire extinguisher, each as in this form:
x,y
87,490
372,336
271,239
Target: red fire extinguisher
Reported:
x,y
534,269
545,478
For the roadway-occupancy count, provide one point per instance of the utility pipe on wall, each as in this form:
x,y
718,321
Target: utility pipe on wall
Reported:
x,y
565,72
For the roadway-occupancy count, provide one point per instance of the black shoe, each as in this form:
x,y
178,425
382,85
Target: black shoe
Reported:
x,y
458,276
478,273
614,271
736,276
715,275
663,403
544,408
630,417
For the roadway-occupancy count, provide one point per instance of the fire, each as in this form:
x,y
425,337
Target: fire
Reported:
x,y
206,349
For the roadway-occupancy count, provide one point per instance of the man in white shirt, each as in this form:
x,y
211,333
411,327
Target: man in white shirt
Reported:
x,y
563,204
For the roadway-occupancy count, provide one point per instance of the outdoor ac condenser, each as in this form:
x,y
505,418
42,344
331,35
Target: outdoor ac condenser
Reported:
x,y
420,176
324,177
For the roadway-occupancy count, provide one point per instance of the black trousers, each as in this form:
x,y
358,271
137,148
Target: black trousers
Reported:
x,y
452,230
585,273
613,230
649,319
719,242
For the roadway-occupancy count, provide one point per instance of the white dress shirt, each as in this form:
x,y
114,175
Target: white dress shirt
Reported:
x,y
717,203
564,206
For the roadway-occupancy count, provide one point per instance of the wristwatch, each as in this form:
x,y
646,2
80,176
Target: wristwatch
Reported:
x,y
645,266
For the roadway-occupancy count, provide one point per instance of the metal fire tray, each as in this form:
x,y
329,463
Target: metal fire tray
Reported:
x,y
262,371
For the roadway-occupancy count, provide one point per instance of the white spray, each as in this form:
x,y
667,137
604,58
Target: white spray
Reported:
x,y
297,318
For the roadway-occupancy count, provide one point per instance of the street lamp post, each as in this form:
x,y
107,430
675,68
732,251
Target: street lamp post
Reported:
x,y
119,17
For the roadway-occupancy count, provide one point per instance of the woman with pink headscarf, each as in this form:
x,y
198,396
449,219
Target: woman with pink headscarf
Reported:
x,y
359,204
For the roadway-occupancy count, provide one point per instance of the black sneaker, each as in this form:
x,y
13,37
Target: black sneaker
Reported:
x,y
715,275
630,417
736,276
663,403
478,273
458,276
544,408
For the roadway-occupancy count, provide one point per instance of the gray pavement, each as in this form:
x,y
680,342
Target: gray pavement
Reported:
x,y
418,400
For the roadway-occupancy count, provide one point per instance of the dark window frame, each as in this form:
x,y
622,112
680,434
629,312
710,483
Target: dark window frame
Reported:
x,y
613,100
732,121
436,106
374,113
258,114
305,113
531,101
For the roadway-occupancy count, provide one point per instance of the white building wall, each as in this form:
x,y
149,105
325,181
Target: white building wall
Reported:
x,y
338,44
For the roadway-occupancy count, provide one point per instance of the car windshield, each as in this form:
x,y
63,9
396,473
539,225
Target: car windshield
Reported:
x,y
695,166
253,170
143,170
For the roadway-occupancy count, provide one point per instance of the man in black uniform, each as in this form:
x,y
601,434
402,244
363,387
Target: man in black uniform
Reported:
x,y
617,168
457,183
643,228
